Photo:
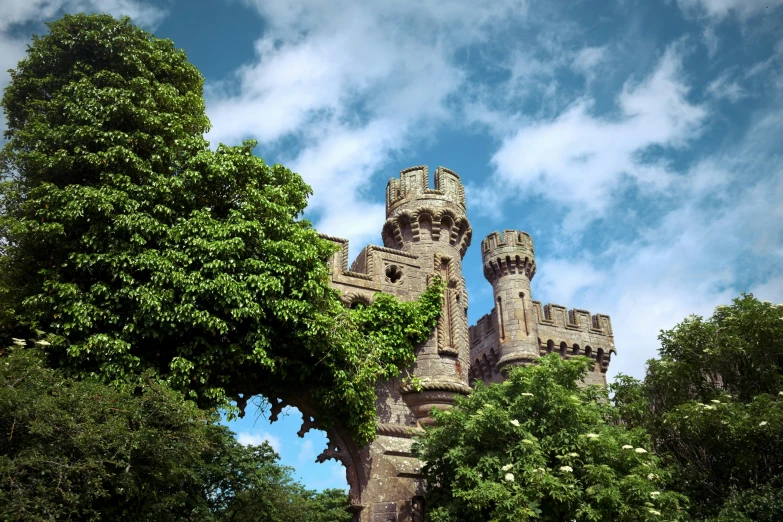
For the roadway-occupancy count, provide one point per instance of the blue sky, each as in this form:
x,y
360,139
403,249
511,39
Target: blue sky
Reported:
x,y
638,142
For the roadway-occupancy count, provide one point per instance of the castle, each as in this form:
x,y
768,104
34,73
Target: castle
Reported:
x,y
427,232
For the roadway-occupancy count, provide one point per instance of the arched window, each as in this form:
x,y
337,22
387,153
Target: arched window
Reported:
x,y
563,349
550,344
575,350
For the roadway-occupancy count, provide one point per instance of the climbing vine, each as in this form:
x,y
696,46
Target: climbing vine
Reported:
x,y
377,340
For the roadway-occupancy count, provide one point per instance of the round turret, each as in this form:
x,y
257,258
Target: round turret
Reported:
x,y
509,265
432,225
510,254
419,218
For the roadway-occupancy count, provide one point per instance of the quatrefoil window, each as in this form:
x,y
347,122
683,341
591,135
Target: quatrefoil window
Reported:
x,y
393,274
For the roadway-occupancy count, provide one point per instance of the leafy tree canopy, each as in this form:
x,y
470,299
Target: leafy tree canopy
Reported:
x,y
713,404
137,247
83,450
540,447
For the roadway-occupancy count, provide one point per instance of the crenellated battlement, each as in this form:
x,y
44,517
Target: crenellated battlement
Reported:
x,y
551,315
369,270
413,184
509,253
417,215
510,240
575,319
483,328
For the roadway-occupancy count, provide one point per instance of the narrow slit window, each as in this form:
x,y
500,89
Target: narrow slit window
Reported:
x,y
500,319
524,311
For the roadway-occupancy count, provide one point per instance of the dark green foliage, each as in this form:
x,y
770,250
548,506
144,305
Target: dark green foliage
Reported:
x,y
139,248
290,502
329,506
82,450
539,447
761,504
713,404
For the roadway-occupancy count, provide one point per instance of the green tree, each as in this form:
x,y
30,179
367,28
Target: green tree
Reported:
x,y
329,506
289,502
540,447
269,492
713,404
137,247
83,450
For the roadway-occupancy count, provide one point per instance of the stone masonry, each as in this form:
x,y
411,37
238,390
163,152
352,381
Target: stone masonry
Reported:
x,y
427,233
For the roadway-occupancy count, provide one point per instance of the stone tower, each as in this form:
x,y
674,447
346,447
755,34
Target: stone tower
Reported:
x,y
509,265
432,225
427,233
517,331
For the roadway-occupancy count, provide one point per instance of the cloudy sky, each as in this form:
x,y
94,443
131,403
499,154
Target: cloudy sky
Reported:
x,y
638,142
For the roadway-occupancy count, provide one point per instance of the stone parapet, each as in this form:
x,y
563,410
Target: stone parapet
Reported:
x,y
511,253
420,219
574,319
413,184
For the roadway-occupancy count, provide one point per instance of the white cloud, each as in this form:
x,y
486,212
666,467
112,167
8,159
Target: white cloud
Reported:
x,y
579,159
588,59
21,12
721,9
355,83
713,12
694,261
722,236
724,87
306,452
333,476
562,280
710,39
256,439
